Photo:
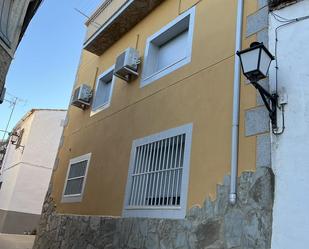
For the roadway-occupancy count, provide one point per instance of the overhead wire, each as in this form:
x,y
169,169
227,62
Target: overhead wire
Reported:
x,y
85,8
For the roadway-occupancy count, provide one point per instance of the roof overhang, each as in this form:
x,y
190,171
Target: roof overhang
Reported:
x,y
31,10
124,19
277,4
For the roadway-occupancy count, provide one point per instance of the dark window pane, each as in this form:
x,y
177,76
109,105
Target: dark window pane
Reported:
x,y
78,169
74,186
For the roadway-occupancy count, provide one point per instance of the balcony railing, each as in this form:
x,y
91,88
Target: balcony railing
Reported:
x,y
112,20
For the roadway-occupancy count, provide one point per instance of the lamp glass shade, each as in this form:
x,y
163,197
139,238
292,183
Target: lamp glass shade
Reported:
x,y
255,61
265,61
250,60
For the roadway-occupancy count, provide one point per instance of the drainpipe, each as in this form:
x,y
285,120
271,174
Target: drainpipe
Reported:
x,y
236,100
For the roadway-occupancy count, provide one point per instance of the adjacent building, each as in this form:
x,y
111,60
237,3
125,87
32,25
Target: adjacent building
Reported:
x,y
14,19
162,123
27,168
288,36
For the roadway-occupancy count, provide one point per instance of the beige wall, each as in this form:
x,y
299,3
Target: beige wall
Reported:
x,y
199,93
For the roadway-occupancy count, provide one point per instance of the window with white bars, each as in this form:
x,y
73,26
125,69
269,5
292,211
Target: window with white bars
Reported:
x,y
76,179
158,177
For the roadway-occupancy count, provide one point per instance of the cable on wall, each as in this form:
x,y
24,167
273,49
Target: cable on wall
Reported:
x,y
285,22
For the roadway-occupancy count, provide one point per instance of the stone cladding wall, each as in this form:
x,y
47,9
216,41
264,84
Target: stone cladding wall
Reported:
x,y
215,225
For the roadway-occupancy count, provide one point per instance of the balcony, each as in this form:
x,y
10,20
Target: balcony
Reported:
x,y
112,20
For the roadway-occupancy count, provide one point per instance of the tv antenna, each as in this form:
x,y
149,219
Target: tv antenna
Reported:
x,y
12,102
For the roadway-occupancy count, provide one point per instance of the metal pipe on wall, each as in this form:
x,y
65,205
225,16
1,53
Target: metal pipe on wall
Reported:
x,y
236,101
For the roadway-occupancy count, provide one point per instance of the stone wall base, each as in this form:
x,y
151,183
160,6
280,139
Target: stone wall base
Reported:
x,y
215,225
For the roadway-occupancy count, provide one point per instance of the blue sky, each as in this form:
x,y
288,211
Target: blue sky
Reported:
x,y
43,70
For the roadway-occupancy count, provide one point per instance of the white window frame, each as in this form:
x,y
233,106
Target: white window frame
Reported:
x,y
107,104
76,197
161,211
166,31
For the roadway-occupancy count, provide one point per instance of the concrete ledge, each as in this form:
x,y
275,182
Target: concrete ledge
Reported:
x,y
256,121
120,23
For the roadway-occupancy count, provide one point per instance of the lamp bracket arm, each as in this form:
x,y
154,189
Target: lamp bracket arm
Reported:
x,y
266,102
262,90
266,95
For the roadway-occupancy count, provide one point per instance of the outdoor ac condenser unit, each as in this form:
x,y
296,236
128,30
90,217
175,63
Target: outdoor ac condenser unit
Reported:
x,y
82,96
127,64
2,94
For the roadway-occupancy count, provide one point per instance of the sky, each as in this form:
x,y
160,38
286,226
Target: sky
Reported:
x,y
43,70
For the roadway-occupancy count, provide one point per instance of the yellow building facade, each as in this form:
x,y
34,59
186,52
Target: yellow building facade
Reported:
x,y
196,96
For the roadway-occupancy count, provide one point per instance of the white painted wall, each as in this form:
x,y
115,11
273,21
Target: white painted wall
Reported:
x,y
26,173
290,151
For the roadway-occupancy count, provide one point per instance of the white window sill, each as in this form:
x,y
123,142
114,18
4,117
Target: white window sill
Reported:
x,y
170,213
99,109
165,71
72,198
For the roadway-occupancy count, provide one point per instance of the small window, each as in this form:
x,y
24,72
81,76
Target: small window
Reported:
x,y
158,177
20,138
103,92
76,179
169,49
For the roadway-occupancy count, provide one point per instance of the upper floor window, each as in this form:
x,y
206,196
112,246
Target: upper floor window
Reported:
x,y
158,175
76,179
104,90
169,49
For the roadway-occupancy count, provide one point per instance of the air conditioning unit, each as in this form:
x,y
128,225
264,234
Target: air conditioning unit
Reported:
x,y
82,96
127,64
2,94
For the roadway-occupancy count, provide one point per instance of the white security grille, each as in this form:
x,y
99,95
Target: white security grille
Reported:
x,y
157,173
